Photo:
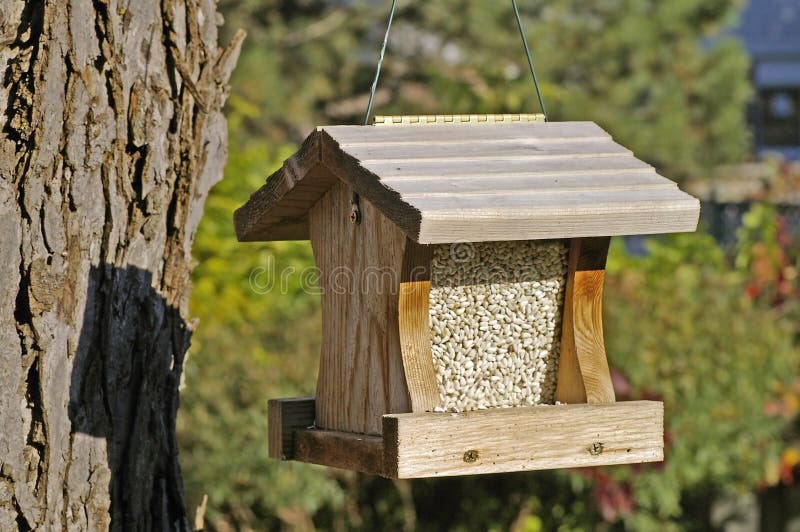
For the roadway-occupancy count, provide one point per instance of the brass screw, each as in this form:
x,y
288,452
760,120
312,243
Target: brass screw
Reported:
x,y
355,214
596,448
471,456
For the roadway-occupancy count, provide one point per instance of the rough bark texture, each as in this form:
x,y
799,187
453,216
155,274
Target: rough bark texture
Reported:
x,y
112,136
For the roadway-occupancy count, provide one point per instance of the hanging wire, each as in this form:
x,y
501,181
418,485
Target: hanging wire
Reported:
x,y
386,40
355,214
530,60
380,63
355,207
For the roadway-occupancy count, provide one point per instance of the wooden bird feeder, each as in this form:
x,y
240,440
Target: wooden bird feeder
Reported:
x,y
427,370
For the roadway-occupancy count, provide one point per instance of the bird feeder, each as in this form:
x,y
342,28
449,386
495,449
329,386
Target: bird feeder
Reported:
x,y
461,263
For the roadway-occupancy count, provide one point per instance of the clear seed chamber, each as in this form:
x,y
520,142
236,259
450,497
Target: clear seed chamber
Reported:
x,y
495,320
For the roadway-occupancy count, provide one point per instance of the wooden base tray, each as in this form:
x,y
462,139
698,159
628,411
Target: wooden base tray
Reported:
x,y
487,441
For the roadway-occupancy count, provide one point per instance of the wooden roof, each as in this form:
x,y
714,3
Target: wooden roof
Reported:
x,y
456,182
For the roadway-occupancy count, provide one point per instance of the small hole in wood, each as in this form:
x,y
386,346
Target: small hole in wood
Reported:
x,y
471,456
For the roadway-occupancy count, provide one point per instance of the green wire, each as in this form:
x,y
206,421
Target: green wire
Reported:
x,y
386,40
530,60
380,63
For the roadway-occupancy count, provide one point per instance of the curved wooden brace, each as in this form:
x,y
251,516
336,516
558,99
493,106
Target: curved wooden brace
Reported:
x,y
415,334
583,374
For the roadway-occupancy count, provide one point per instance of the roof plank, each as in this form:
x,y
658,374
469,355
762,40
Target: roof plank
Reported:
x,y
549,202
356,135
552,166
531,150
586,181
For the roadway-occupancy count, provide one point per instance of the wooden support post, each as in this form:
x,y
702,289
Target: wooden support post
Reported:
x,y
361,375
415,334
583,374
345,450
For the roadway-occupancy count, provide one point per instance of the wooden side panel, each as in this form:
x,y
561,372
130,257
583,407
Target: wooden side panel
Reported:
x,y
361,367
344,450
583,373
415,334
521,439
286,417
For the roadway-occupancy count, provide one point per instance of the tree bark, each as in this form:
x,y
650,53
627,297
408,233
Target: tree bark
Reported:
x,y
112,136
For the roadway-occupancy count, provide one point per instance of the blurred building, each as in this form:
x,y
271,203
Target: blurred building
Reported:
x,y
770,30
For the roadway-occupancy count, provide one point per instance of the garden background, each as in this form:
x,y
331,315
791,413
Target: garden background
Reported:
x,y
707,322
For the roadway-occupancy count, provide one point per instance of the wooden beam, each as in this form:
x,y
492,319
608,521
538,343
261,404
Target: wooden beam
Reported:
x,y
522,439
415,334
343,450
583,373
486,441
285,417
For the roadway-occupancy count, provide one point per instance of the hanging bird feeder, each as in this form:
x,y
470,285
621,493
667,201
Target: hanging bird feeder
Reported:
x,y
465,298
461,262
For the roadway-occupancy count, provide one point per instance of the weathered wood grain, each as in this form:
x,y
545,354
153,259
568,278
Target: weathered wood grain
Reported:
x,y
554,167
535,217
522,439
587,320
493,150
583,373
415,334
491,441
487,441
113,135
445,183
450,133
343,450
361,366
446,187
569,384
285,417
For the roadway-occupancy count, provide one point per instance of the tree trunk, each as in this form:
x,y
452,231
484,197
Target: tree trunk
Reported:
x,y
112,136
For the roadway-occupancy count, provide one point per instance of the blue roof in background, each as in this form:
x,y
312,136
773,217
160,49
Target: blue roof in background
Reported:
x,y
771,27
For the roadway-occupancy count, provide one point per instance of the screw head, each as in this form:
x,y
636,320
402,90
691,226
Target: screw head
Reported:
x,y
355,215
471,456
596,448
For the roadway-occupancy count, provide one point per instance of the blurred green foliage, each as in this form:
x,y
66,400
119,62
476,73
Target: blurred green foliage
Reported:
x,y
659,75
683,323
681,327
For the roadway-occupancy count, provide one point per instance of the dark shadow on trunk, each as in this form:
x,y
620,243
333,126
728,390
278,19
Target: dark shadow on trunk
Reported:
x,y
124,388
